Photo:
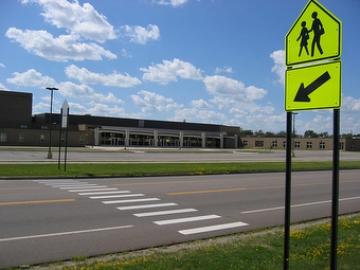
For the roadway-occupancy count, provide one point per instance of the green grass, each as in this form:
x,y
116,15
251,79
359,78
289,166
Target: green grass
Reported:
x,y
310,250
161,169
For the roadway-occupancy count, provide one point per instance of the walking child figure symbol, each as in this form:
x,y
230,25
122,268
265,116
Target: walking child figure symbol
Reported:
x,y
304,35
317,29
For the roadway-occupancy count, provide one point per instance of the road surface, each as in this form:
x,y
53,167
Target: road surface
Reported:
x,y
111,154
51,220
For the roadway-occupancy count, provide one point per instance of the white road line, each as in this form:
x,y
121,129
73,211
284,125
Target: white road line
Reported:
x,y
168,212
56,181
83,187
183,220
106,192
213,228
131,201
64,233
94,189
296,205
69,185
117,196
143,206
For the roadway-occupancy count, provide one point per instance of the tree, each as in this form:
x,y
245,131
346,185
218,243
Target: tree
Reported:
x,y
269,134
310,134
281,134
259,133
245,133
324,134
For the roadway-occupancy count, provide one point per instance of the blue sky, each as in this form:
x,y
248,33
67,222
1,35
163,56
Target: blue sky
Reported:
x,y
210,61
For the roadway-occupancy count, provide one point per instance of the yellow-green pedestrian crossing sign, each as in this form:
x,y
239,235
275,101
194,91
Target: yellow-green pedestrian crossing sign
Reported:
x,y
313,87
313,50
315,35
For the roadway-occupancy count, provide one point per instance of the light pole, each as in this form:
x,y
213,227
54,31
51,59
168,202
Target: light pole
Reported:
x,y
294,135
51,89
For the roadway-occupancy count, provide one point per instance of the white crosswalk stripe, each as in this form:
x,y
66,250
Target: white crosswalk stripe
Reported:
x,y
213,228
70,184
187,219
167,212
93,189
83,187
117,196
143,206
104,192
131,201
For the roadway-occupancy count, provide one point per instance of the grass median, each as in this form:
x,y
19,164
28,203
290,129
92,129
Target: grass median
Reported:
x,y
161,169
310,248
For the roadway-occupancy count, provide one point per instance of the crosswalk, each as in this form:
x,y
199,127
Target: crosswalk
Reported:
x,y
142,206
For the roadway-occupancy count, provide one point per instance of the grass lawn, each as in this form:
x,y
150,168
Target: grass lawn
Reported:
x,y
161,169
310,248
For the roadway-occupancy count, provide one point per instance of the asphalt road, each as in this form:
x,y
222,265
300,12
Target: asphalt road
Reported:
x,y
39,155
50,220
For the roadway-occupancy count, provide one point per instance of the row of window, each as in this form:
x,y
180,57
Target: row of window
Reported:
x,y
297,144
109,138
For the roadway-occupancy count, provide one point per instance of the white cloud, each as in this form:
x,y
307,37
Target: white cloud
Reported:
x,y
173,3
351,104
222,70
150,102
279,66
169,71
114,79
224,87
98,109
2,65
320,122
61,48
200,104
86,93
83,20
199,115
2,87
31,78
141,35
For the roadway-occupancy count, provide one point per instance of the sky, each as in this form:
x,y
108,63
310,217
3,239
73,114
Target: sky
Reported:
x,y
204,61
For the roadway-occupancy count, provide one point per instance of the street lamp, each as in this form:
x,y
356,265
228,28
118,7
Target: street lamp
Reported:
x,y
51,89
294,135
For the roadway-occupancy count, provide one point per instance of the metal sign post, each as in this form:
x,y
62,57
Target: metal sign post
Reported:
x,y
335,191
66,137
314,86
60,129
64,125
287,191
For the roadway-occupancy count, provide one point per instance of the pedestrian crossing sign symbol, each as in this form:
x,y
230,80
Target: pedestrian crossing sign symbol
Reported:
x,y
315,35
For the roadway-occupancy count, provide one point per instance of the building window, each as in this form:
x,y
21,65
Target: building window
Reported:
x,y
322,145
259,143
297,144
21,138
192,142
245,143
308,145
3,137
274,144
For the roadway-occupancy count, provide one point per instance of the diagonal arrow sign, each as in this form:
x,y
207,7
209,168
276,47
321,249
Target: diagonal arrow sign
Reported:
x,y
303,93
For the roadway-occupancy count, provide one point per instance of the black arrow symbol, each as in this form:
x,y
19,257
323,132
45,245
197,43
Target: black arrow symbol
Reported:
x,y
304,92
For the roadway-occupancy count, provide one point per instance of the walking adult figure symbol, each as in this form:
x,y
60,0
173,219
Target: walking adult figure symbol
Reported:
x,y
318,30
304,36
